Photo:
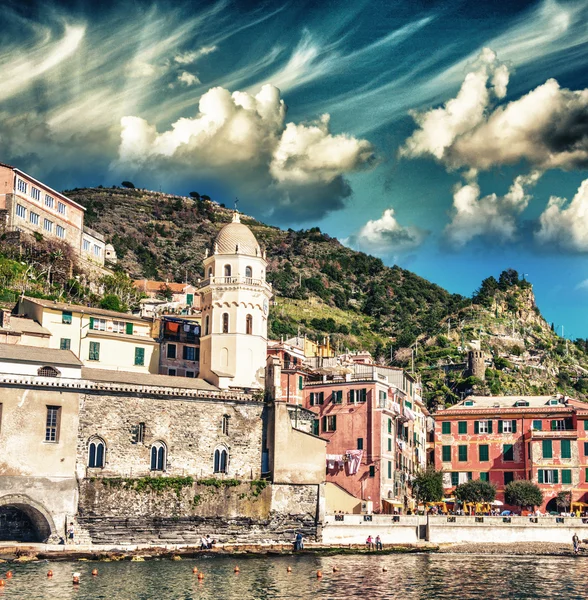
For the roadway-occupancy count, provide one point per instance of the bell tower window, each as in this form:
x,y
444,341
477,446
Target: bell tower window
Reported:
x,y
248,272
225,322
249,325
227,270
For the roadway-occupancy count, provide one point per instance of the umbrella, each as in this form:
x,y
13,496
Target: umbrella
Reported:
x,y
497,503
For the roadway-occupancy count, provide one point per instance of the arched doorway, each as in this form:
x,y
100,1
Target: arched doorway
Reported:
x,y
24,520
552,506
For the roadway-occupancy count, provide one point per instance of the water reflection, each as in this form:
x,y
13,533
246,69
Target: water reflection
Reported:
x,y
425,576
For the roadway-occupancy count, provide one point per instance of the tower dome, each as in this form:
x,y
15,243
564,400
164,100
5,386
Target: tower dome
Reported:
x,y
236,238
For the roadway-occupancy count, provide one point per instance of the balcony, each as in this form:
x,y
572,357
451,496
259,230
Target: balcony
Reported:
x,y
558,434
249,281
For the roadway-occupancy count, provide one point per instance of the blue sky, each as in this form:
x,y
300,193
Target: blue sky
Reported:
x,y
450,138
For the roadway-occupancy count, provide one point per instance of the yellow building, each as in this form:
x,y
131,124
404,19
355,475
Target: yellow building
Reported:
x,y
102,339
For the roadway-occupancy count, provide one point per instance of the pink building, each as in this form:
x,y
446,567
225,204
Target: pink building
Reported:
x,y
293,373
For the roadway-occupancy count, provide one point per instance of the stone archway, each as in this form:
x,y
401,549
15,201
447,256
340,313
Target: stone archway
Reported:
x,y
552,506
24,520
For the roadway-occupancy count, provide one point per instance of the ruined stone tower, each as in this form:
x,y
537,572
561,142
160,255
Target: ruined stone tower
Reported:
x,y
476,364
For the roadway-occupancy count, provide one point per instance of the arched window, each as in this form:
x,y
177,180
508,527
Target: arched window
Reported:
x,y
209,272
221,460
96,453
206,325
248,324
48,372
158,456
227,270
248,272
225,322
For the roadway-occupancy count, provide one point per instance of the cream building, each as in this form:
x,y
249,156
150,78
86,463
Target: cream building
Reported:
x,y
235,304
102,339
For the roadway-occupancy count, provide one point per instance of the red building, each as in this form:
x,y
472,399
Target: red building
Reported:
x,y
543,439
293,372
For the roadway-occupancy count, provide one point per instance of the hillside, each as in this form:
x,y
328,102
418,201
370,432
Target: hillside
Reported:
x,y
324,288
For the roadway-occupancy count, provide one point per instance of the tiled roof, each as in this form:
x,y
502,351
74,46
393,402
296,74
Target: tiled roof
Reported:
x,y
35,354
112,376
21,325
148,285
100,312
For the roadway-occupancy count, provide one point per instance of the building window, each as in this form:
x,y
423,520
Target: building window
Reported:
x,y
35,193
189,299
315,429
207,325
118,326
171,351
454,478
330,423
585,448
22,186
190,353
508,452
446,427
225,323
171,372
65,344
190,374
225,424
49,202
389,469
221,462
547,449
559,425
87,245
129,328
34,218
360,443
372,470
227,270
317,398
446,453
158,456
66,317
249,325
389,444
248,272
538,425
96,453
462,453
52,423
508,477
462,427
483,452
61,208
97,324
389,425
509,426
482,426
566,450
48,372
48,225
209,272
140,433
484,477
547,476
94,351
139,357
60,231
21,211
566,476
337,396
97,250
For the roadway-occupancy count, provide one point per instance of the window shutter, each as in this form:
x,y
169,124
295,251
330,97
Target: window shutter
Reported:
x,y
311,399
555,476
566,476
489,426
540,475
586,425
514,425
476,426
315,427
334,422
129,329
324,423
553,425
91,322
566,450
499,426
585,448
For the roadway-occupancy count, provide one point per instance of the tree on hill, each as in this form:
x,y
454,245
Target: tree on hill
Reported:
x,y
475,490
507,279
128,184
428,485
195,195
523,493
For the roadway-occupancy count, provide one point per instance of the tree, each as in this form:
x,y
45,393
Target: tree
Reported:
x,y
563,500
508,278
523,493
195,195
111,302
428,485
165,292
128,184
475,490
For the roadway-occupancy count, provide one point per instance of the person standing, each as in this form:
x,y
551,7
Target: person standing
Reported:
x,y
70,533
299,543
576,543
378,543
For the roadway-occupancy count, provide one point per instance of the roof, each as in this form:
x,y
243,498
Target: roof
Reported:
x,y
93,233
503,401
148,285
236,238
35,354
112,376
22,325
510,404
85,309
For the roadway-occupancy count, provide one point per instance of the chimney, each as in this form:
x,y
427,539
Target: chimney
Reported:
x,y
4,318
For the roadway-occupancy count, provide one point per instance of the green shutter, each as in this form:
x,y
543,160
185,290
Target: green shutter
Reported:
x,y
547,449
476,426
553,425
446,427
499,426
483,476
372,470
300,383
483,452
454,478
586,475
189,299
129,329
446,453
139,356
462,453
507,452
389,444
514,426
334,422
324,423
566,449
94,351
566,476
538,425
585,448
555,476
489,426
389,469
91,322
586,425
389,425
462,427
315,427
540,475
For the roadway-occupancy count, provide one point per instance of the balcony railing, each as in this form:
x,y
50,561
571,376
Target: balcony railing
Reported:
x,y
234,281
570,434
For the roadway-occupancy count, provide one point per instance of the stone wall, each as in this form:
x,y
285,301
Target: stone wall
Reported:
x,y
127,512
191,429
355,529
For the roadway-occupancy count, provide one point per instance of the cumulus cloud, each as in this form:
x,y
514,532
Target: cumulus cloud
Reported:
x,y
386,235
301,166
188,79
490,216
547,127
564,224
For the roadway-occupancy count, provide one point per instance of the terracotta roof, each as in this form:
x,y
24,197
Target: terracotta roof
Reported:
x,y
234,235
506,402
112,376
148,285
35,354
22,325
89,310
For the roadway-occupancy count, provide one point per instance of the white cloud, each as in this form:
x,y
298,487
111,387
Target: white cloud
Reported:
x,y
246,136
188,79
188,58
385,235
565,225
583,285
491,216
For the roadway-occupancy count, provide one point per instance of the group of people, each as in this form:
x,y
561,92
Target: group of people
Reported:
x,y
206,543
372,544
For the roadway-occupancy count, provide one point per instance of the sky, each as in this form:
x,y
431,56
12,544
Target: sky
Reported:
x,y
448,137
